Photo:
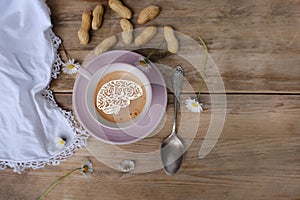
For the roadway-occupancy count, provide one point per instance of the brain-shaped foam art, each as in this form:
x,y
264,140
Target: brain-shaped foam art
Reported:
x,y
117,94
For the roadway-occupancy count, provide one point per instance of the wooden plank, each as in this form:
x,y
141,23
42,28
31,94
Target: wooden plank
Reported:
x,y
228,26
271,73
249,58
234,169
248,116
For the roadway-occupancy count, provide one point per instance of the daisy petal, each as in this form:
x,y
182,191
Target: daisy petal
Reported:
x,y
126,166
193,105
60,142
143,65
87,168
70,67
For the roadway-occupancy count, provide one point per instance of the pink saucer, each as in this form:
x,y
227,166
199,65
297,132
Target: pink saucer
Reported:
x,y
145,125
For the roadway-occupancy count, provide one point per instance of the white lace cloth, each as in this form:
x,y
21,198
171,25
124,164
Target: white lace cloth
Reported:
x,y
30,119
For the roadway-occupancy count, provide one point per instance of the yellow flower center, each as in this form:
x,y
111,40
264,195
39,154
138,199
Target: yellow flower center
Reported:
x,y
85,169
143,63
195,104
71,66
62,142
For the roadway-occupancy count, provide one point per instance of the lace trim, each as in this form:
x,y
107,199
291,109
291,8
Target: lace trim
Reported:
x,y
81,135
56,41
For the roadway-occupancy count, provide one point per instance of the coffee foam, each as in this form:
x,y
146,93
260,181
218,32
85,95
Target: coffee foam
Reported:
x,y
127,114
117,94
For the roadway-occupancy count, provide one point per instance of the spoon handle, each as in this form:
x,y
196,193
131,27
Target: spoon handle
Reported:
x,y
177,86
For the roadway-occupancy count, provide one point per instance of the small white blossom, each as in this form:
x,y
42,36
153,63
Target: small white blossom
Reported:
x,y
126,166
70,67
193,105
143,65
87,168
60,142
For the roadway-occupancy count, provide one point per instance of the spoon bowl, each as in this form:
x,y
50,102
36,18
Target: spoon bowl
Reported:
x,y
172,151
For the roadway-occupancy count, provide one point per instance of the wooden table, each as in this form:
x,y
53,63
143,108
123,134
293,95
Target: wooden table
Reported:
x,y
256,46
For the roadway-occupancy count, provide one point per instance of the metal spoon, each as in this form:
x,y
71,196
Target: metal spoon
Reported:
x,y
172,148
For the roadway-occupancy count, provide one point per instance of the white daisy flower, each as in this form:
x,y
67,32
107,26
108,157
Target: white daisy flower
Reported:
x,y
143,64
87,168
193,105
126,166
70,67
60,142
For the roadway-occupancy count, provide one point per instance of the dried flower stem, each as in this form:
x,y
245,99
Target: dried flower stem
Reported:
x,y
67,54
150,54
52,186
204,67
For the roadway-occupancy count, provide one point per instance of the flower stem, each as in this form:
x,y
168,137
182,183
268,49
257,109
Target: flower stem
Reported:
x,y
150,54
204,67
52,186
67,54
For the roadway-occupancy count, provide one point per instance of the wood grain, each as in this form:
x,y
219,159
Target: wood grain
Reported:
x,y
269,74
255,45
267,116
258,151
264,60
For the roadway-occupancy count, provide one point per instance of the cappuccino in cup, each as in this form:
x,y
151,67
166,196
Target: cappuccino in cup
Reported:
x,y
119,97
